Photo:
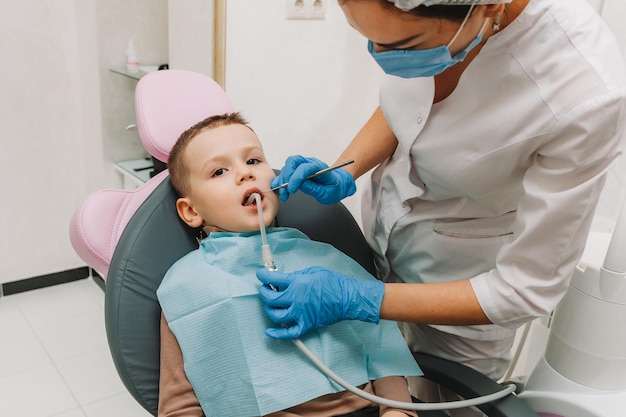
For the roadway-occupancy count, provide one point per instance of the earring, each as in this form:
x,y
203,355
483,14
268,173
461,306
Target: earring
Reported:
x,y
496,22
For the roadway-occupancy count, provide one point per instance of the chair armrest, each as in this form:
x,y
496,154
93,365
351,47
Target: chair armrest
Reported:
x,y
470,383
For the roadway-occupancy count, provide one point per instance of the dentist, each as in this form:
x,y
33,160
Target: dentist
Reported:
x,y
498,122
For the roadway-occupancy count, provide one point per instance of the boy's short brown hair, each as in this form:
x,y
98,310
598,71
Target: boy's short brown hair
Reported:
x,y
178,170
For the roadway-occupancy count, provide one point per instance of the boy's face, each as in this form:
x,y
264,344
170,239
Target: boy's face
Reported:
x,y
226,164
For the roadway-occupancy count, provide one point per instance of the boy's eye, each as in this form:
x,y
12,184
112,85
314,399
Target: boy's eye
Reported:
x,y
218,172
253,161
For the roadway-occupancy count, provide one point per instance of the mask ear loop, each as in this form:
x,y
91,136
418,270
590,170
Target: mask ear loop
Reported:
x,y
484,26
456,35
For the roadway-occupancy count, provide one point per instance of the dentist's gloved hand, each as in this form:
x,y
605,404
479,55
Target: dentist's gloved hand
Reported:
x,y
328,188
317,297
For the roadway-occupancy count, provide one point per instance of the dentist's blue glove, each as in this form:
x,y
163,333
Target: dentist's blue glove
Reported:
x,y
317,297
328,188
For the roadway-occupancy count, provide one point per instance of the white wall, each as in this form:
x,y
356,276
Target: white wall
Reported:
x,y
49,130
118,20
62,114
191,35
306,86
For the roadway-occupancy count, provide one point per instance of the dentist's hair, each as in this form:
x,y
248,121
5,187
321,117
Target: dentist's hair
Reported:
x,y
178,170
456,13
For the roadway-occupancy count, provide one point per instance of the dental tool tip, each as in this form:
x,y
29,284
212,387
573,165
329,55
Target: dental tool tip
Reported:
x,y
315,174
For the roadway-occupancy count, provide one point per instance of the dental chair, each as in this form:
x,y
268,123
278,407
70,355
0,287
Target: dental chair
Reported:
x,y
133,237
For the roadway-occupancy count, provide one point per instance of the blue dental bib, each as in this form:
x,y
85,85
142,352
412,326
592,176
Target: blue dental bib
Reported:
x,y
211,302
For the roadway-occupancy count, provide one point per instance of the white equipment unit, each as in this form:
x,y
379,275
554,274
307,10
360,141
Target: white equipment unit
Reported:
x,y
583,370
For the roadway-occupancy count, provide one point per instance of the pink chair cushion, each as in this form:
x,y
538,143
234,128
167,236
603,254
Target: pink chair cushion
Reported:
x,y
169,102
166,104
96,227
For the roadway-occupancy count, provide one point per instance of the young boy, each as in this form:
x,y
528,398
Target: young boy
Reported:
x,y
215,357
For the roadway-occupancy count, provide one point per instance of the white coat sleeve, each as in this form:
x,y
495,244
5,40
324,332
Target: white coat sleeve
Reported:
x,y
561,191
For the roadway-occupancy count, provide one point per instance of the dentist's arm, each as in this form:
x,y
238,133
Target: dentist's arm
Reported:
x,y
317,297
374,143
445,303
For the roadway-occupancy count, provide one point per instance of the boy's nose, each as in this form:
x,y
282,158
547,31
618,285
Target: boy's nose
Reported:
x,y
246,177
245,174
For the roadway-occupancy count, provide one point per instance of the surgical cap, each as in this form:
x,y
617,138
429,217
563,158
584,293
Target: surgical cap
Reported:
x,y
411,4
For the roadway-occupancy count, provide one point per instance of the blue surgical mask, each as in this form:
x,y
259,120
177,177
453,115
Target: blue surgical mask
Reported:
x,y
413,63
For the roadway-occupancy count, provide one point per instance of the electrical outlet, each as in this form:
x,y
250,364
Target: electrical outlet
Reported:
x,y
305,9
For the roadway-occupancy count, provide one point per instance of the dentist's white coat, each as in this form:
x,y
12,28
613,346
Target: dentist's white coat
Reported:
x,y
499,181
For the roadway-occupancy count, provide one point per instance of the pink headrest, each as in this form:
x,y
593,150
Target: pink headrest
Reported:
x,y
166,103
169,102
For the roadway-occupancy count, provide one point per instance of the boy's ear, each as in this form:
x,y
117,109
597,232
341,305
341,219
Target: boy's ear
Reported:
x,y
188,213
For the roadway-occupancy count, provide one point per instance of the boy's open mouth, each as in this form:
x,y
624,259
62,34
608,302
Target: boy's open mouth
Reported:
x,y
249,198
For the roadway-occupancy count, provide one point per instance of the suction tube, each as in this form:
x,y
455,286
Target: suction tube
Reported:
x,y
268,263
268,258
508,389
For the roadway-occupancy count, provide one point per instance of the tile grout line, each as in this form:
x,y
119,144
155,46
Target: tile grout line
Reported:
x,y
52,361
80,405
105,399
30,324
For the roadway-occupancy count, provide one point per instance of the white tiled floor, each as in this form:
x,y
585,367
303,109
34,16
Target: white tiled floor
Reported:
x,y
54,357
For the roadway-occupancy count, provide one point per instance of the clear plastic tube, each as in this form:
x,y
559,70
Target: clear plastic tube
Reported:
x,y
268,262
259,209
506,390
268,258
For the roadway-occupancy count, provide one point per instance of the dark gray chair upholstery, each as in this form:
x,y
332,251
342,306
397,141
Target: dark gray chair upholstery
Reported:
x,y
155,238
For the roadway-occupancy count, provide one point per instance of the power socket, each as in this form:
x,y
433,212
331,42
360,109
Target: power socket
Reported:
x,y
305,9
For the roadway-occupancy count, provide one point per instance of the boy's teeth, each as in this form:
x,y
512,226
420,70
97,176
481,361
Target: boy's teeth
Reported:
x,y
250,200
